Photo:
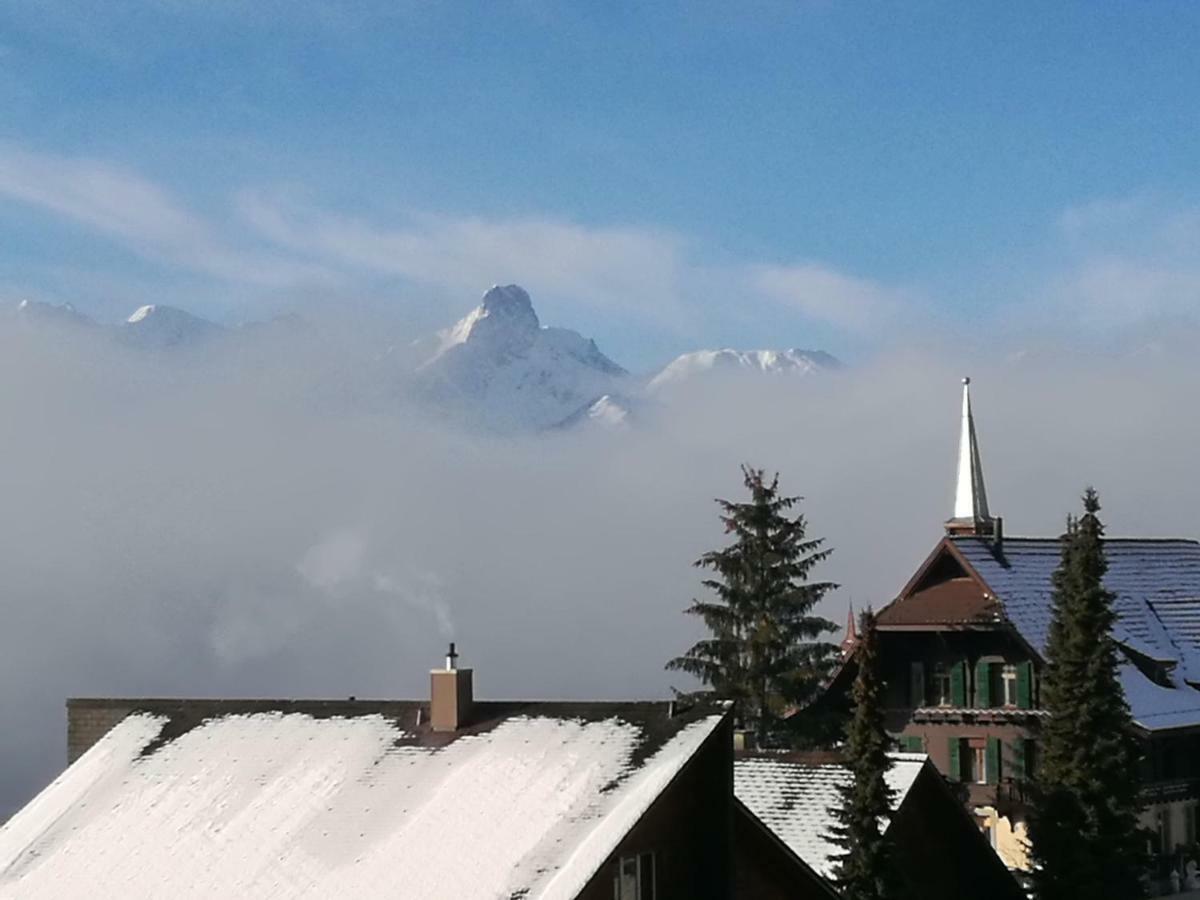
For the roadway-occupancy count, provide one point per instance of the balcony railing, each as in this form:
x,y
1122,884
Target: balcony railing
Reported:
x,y
1012,793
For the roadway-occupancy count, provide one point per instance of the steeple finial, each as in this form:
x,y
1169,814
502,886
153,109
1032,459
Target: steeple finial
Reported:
x,y
971,514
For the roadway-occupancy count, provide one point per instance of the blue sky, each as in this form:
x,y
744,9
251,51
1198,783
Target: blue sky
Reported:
x,y
664,177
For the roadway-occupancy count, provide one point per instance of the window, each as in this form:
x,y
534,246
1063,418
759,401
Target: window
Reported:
x,y
975,760
1031,758
941,685
978,758
1008,689
1165,841
912,743
635,878
916,681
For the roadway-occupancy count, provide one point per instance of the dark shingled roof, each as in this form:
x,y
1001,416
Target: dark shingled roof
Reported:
x,y
1157,588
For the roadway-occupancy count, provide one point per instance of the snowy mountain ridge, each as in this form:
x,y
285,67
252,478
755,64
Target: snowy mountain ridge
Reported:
x,y
157,327
497,368
150,327
699,363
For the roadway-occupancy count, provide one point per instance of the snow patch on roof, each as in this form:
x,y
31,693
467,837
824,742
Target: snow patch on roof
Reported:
x,y
286,805
794,798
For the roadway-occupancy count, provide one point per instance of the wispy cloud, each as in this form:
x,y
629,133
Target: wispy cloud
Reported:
x,y
845,301
142,216
653,276
1126,262
634,268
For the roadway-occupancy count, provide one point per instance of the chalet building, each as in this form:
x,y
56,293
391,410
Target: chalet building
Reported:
x,y
446,797
939,852
963,648
450,797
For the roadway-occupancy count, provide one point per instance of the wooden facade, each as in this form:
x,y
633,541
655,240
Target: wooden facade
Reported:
x,y
963,687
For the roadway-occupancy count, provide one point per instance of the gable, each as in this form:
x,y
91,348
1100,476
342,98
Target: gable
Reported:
x,y
942,853
944,592
793,797
766,868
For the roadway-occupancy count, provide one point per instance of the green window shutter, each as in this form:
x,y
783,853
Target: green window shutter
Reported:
x,y
917,684
1018,758
983,685
958,684
912,743
992,760
955,773
1025,685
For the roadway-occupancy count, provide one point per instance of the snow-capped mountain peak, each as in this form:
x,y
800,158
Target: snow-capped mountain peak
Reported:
x,y
504,322
702,362
37,310
156,326
508,370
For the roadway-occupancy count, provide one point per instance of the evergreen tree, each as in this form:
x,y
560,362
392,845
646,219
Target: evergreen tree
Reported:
x,y
865,869
763,651
1083,824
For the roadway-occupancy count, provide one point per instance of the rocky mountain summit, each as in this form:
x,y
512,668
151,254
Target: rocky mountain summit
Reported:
x,y
498,368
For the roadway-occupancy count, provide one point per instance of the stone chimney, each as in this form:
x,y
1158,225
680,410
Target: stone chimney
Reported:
x,y
451,695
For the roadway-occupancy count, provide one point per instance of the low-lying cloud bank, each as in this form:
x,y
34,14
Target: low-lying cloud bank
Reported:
x,y
254,522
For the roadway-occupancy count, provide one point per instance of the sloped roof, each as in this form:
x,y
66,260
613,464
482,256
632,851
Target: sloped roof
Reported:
x,y
1157,588
284,803
793,797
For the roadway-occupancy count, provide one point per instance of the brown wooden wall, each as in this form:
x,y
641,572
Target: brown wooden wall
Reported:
x,y
689,829
941,853
767,870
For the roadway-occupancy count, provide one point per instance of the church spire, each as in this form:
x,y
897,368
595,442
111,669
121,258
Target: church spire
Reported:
x,y
851,638
971,514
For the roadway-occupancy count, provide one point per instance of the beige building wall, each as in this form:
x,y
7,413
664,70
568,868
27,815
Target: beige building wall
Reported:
x,y
1009,838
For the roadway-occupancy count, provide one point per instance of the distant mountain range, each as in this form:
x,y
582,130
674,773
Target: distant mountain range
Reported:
x,y
498,367
152,327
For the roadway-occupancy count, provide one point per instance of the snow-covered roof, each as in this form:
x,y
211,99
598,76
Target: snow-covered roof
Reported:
x,y
1156,583
289,803
793,797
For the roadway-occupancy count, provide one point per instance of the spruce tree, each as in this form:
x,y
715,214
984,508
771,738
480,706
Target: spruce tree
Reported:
x,y
763,650
865,870
1083,822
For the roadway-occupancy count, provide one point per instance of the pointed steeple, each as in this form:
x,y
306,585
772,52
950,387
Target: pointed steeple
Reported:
x,y
971,514
851,637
